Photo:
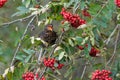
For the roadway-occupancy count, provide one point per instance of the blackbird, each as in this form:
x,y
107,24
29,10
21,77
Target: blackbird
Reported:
x,y
48,36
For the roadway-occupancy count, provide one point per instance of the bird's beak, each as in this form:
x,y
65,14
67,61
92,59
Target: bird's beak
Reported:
x,y
50,28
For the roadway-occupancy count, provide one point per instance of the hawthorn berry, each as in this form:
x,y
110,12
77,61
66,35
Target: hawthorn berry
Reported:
x,y
2,2
117,2
73,19
28,76
101,75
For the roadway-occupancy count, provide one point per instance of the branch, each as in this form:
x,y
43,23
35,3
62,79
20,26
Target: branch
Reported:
x,y
18,20
19,44
85,67
115,47
109,38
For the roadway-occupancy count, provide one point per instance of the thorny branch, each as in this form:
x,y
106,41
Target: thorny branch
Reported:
x,y
19,44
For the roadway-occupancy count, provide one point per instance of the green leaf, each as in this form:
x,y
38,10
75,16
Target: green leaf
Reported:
x,y
27,3
71,42
61,55
28,58
29,51
78,40
22,10
20,57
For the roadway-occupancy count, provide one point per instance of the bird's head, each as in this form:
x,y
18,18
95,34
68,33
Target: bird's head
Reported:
x,y
49,27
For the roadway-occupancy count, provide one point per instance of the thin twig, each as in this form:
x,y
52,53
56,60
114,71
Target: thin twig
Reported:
x,y
19,44
40,54
17,20
109,38
115,47
83,73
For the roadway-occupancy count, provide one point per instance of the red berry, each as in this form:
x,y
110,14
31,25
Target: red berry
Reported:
x,y
117,2
49,62
80,47
73,19
101,75
94,52
60,66
2,2
28,76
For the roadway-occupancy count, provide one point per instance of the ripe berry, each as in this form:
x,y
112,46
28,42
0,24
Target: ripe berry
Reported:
x,y
28,76
2,2
117,2
94,52
80,47
101,75
73,19
49,62
60,66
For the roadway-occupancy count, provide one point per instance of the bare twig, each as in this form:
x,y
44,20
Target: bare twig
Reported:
x,y
19,44
83,73
109,38
115,47
17,20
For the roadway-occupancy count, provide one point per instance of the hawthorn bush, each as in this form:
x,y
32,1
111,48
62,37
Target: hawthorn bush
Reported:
x,y
87,46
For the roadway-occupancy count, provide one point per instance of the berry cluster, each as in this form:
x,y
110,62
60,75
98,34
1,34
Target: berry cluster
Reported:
x,y
50,62
86,13
117,2
101,75
30,76
2,2
73,19
93,52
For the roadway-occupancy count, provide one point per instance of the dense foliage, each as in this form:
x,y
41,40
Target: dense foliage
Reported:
x,y
86,48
